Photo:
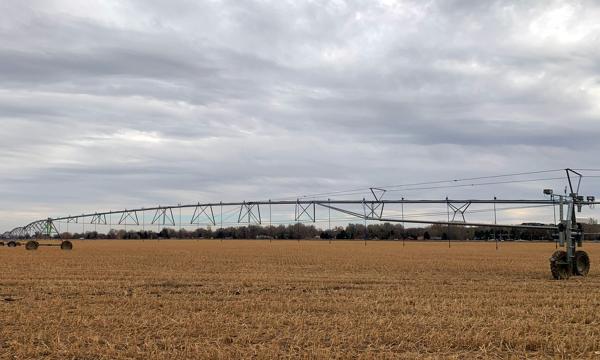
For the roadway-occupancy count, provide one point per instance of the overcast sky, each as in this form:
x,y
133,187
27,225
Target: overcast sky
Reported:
x,y
113,104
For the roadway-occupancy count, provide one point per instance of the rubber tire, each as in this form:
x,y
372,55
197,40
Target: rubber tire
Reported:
x,y
559,271
32,245
66,245
582,263
11,244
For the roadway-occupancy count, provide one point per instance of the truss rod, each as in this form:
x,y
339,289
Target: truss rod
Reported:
x,y
323,203
409,221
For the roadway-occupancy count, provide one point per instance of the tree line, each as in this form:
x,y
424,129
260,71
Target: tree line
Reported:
x,y
384,231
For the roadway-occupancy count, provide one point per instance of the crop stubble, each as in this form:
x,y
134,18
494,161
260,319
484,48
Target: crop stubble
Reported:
x,y
240,299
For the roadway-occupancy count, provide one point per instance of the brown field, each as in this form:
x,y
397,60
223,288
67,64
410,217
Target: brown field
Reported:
x,y
255,299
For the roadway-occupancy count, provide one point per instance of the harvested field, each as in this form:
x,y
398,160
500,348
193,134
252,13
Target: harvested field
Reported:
x,y
255,299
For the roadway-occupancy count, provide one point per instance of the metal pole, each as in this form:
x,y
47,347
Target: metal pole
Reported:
x,y
158,229
270,223
561,215
570,221
554,210
365,212
495,223
329,214
403,225
198,224
448,212
561,209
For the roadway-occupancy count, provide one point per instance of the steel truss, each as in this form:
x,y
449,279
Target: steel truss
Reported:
x,y
301,210
38,229
569,232
249,212
305,210
206,210
125,215
164,216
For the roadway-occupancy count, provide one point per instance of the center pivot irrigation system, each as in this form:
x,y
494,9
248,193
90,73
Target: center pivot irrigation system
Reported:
x,y
566,230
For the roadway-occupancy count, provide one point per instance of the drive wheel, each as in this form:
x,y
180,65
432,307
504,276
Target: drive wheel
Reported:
x,y
66,245
582,263
559,265
11,244
32,245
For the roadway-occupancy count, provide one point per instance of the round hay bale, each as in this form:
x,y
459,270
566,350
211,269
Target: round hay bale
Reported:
x,y
32,245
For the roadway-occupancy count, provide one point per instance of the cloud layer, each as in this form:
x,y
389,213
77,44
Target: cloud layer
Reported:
x,y
114,104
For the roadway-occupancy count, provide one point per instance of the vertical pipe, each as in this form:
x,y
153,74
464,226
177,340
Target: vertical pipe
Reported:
x,y
554,211
561,215
568,233
561,208
403,225
495,222
365,217
297,218
553,207
448,212
329,215
270,223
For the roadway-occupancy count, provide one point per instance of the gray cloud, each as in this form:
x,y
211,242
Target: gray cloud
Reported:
x,y
146,102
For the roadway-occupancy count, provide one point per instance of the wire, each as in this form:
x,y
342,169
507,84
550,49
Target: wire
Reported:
x,y
367,190
480,184
454,186
407,187
478,178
